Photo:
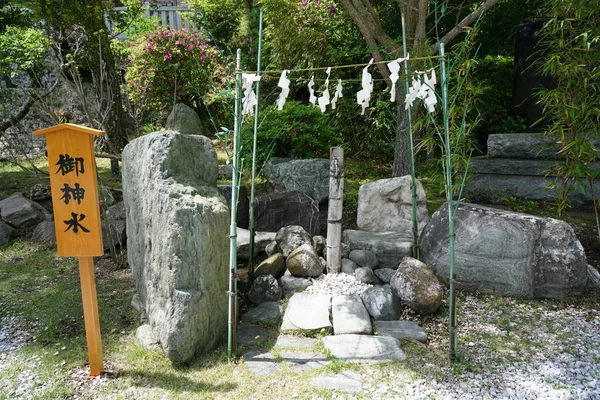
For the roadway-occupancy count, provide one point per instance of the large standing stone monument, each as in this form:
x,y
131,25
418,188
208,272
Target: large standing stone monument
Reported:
x,y
177,239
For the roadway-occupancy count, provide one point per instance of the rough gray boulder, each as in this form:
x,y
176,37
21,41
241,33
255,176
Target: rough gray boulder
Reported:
x,y
291,284
45,233
304,262
274,265
319,243
264,288
384,274
504,252
178,239
272,248
386,205
261,240
267,313
348,266
389,247
20,212
291,237
114,227
416,285
184,120
364,258
306,176
381,303
364,274
7,233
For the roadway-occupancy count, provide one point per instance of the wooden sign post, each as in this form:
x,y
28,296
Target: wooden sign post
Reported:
x,y
73,182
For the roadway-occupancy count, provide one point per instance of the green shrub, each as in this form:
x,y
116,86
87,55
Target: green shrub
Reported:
x,y
299,130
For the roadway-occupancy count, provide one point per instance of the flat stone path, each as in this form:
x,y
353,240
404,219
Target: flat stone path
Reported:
x,y
350,315
311,312
364,348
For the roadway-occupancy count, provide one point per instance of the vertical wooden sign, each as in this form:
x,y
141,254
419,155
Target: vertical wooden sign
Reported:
x,y
72,168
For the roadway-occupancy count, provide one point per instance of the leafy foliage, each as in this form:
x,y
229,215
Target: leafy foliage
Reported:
x,y
298,130
570,42
171,66
22,49
309,32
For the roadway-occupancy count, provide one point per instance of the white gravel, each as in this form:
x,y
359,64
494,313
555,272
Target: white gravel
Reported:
x,y
520,350
509,349
337,284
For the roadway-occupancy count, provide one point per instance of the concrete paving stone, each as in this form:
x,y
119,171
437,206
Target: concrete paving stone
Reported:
x,y
305,360
307,311
295,342
364,348
350,315
345,381
261,363
401,330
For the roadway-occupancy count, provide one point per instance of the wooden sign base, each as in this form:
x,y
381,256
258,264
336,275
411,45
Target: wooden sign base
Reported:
x,y
90,314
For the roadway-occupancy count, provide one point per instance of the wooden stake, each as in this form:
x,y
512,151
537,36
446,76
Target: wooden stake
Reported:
x,y
334,215
90,314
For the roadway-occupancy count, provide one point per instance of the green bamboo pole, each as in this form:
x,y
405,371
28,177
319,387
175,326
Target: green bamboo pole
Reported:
x,y
453,351
251,211
415,222
232,318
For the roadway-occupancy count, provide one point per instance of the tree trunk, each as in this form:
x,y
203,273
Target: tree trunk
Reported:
x,y
401,165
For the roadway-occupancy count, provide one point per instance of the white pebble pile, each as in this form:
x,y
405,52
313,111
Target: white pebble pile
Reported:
x,y
337,284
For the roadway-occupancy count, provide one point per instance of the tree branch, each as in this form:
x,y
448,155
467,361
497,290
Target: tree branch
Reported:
x,y
469,19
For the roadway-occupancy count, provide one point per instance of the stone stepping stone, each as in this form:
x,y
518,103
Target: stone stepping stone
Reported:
x,y
345,381
267,313
364,348
306,311
305,360
261,363
350,315
251,335
295,342
401,330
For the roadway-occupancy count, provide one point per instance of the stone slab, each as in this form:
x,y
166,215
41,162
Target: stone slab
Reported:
x,y
306,311
493,188
261,363
267,313
345,381
523,145
364,348
261,240
401,330
350,315
304,360
389,247
295,342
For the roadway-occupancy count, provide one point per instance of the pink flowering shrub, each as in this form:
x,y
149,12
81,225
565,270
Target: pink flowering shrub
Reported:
x,y
171,66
